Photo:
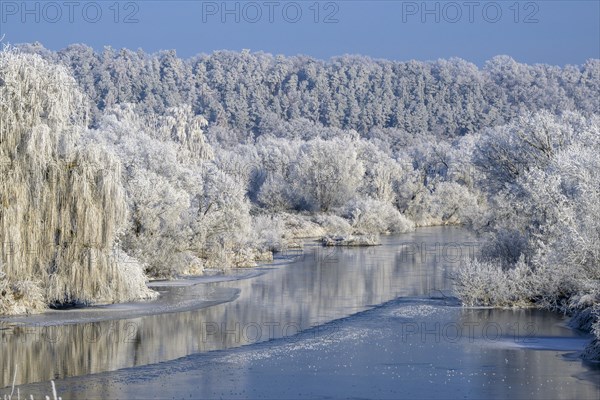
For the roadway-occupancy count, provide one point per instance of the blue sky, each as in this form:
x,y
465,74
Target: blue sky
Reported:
x,y
554,32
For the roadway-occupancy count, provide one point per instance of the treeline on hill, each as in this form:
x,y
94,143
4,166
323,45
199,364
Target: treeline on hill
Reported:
x,y
118,166
246,91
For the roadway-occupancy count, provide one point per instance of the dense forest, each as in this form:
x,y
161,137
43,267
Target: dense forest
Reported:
x,y
250,93
120,166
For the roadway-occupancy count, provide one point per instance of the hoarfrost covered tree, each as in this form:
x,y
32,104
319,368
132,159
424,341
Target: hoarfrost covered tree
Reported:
x,y
62,201
242,163
436,184
509,151
181,125
382,173
277,156
223,220
327,173
511,159
185,211
159,189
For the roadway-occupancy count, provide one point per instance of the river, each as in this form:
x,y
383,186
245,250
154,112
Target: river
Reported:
x,y
334,322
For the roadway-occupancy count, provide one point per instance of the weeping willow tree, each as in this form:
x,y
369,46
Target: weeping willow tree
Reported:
x,y
61,199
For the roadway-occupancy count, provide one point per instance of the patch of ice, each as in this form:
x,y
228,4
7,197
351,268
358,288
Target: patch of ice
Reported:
x,y
302,342
414,311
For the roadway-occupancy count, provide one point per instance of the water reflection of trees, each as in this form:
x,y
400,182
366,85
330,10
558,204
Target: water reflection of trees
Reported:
x,y
317,288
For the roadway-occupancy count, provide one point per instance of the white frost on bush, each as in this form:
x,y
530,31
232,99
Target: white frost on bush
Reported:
x,y
374,216
269,231
333,224
486,283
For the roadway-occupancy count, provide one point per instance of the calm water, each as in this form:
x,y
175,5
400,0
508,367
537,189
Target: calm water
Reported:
x,y
293,303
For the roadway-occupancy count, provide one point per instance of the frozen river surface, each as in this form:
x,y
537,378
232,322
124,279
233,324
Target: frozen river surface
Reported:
x,y
376,322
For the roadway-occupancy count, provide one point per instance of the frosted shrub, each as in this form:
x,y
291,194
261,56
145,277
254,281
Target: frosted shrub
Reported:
x,y
486,283
480,283
556,286
21,297
298,226
505,246
440,203
418,209
269,232
382,173
333,224
592,350
133,272
223,208
373,216
156,210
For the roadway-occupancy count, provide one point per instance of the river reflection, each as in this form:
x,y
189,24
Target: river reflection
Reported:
x,y
321,285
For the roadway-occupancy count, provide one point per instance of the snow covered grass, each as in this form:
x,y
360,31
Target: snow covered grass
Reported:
x,y
17,396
